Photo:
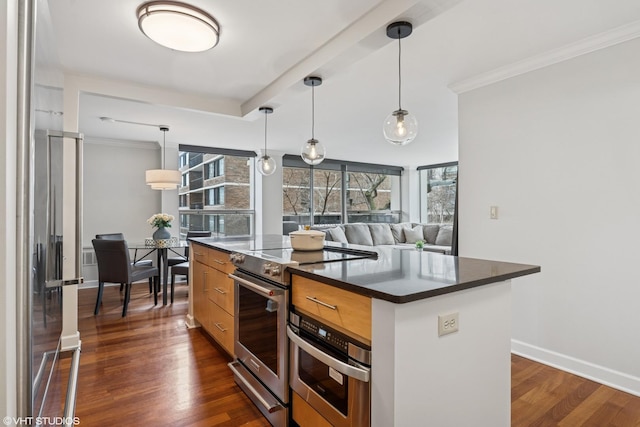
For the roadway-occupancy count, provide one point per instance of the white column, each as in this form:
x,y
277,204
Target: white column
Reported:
x,y
269,199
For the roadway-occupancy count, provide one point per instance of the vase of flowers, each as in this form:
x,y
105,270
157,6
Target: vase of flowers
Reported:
x,y
162,221
419,245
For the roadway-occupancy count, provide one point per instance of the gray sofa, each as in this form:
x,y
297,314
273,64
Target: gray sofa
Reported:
x,y
436,237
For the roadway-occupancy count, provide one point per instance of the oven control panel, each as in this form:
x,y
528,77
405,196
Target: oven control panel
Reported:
x,y
323,333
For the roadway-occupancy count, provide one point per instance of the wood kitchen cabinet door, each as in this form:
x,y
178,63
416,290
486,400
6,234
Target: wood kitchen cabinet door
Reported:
x,y
221,290
200,298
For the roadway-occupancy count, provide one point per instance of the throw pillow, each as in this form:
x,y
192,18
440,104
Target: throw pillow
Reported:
x,y
396,230
412,235
445,235
431,232
358,234
337,235
381,234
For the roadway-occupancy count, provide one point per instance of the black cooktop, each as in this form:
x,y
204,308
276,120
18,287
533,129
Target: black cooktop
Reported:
x,y
328,254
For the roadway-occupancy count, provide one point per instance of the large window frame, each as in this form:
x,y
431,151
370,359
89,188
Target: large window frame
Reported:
x,y
344,168
214,215
444,177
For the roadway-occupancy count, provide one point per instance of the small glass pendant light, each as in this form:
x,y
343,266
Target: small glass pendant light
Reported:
x,y
400,127
266,165
313,151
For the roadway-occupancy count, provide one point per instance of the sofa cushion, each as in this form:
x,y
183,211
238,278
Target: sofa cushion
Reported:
x,y
430,232
396,231
445,235
358,234
381,234
337,235
412,235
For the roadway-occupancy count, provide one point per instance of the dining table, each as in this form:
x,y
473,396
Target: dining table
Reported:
x,y
161,248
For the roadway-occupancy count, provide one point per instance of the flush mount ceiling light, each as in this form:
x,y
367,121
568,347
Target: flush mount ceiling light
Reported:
x,y
400,127
266,165
178,26
163,179
313,152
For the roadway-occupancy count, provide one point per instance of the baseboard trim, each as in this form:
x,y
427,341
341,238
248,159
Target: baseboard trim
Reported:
x,y
591,371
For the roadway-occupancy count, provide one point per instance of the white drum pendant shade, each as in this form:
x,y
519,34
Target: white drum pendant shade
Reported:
x,y
163,179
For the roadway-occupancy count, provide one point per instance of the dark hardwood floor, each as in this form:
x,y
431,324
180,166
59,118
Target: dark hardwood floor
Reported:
x,y
148,369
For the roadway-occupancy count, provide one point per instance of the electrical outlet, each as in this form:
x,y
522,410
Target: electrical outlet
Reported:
x,y
447,324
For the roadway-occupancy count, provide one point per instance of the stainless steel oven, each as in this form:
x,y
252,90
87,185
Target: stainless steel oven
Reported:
x,y
261,368
330,371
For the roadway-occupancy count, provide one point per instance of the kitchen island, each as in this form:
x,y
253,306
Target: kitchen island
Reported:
x,y
418,375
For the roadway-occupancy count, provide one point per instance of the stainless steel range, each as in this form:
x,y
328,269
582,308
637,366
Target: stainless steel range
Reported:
x,y
261,314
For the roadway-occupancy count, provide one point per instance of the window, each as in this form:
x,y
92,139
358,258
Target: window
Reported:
x,y
213,199
182,161
438,193
339,192
215,168
215,196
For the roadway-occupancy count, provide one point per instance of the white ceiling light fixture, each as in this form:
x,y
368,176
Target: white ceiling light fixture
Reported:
x,y
163,179
178,26
313,152
266,164
400,127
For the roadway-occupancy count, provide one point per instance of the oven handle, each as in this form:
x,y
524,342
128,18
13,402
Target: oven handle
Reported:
x,y
344,368
267,292
270,408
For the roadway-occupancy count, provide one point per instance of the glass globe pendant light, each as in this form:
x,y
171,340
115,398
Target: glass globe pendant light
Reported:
x,y
266,165
400,127
313,151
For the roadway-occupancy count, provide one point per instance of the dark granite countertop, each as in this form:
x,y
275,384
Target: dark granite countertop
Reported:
x,y
405,275
396,275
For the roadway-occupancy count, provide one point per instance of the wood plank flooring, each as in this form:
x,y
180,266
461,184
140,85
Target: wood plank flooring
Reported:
x,y
148,369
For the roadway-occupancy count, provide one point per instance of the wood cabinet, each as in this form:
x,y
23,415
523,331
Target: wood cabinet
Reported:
x,y
344,310
213,294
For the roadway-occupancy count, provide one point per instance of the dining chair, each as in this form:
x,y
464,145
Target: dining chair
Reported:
x,y
182,258
139,263
114,266
182,268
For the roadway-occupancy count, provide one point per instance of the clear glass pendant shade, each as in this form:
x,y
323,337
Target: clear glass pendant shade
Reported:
x,y
266,165
400,127
313,152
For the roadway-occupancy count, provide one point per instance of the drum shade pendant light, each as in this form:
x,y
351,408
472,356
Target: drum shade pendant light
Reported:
x,y
266,165
313,152
400,127
163,179
178,26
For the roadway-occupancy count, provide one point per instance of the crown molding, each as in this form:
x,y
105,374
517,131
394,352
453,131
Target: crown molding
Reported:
x,y
590,44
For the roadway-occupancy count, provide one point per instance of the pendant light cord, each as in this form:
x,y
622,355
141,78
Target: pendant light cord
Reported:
x,y
265,133
164,148
399,72
313,111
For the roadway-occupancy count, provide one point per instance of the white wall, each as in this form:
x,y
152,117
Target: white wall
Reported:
x,y
8,85
557,150
116,198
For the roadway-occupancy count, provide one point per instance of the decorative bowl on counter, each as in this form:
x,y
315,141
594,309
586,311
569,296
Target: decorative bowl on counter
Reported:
x,y
307,240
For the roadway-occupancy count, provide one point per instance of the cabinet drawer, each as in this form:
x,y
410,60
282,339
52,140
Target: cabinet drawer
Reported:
x,y
221,327
199,253
221,289
220,261
348,311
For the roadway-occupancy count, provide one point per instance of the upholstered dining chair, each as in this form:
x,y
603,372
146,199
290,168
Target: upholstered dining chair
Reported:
x,y
138,263
182,258
182,268
114,266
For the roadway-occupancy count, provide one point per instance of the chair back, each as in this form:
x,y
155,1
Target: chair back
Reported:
x,y
114,263
195,234
110,236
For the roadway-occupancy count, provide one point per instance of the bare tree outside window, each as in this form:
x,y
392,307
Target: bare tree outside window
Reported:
x,y
438,196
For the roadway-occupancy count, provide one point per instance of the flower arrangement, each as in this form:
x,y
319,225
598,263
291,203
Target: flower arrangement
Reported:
x,y
161,220
419,244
